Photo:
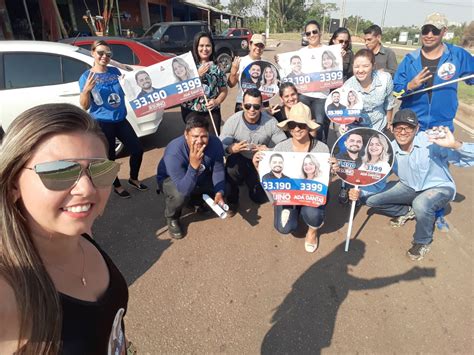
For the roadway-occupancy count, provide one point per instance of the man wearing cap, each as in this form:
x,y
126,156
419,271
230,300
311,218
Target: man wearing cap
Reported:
x,y
385,58
243,134
425,185
434,63
256,47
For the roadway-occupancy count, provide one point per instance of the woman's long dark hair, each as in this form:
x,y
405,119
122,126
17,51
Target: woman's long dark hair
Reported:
x,y
197,38
337,33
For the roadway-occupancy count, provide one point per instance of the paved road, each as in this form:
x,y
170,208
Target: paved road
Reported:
x,y
237,286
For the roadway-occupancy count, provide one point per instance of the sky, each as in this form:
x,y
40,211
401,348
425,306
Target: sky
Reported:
x,y
404,12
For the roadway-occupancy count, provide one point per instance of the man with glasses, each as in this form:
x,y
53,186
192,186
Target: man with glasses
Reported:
x,y
243,134
256,47
435,63
385,58
425,184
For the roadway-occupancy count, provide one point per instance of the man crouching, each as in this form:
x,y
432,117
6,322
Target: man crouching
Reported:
x,y
192,165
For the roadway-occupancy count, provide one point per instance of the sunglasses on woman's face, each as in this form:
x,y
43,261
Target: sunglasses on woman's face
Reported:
x,y
430,28
102,53
293,125
255,106
341,41
62,175
309,33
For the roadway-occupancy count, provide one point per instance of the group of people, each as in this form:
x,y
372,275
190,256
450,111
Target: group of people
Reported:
x,y
60,291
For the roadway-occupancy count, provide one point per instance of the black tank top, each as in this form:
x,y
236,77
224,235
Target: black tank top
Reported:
x,y
87,326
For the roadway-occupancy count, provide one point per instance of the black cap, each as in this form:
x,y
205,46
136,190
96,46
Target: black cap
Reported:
x,y
405,116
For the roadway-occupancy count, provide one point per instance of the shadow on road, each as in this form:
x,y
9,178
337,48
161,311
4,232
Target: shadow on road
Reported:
x,y
304,322
127,230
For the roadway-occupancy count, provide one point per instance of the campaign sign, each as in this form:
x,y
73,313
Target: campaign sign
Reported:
x,y
343,106
295,178
364,155
315,69
162,85
261,75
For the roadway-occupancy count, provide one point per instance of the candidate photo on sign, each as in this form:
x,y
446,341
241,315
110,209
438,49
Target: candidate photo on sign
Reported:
x,y
251,78
328,61
376,155
144,82
310,168
181,70
296,64
269,82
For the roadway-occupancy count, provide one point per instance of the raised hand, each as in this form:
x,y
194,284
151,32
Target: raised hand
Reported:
x,y
90,82
196,155
423,76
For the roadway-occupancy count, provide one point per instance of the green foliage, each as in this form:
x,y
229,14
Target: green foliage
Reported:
x,y
357,25
245,8
286,14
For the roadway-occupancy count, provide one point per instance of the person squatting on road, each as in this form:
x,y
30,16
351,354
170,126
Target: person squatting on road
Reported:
x,y
285,220
103,96
425,185
60,293
192,165
243,134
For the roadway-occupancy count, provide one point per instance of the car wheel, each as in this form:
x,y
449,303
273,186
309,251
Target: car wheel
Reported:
x,y
224,60
118,147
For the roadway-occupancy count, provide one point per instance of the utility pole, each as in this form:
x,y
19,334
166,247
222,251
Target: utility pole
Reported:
x,y
343,8
382,23
267,30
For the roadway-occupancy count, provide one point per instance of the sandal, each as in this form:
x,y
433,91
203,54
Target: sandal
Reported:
x,y
310,247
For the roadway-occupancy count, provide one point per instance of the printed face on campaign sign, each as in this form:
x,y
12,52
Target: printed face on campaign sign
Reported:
x,y
364,155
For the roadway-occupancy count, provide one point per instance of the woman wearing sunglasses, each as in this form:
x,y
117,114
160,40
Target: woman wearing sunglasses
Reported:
x,y
214,82
59,291
315,100
299,124
342,36
103,96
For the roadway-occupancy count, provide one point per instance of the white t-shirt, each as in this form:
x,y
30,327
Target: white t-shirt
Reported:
x,y
316,94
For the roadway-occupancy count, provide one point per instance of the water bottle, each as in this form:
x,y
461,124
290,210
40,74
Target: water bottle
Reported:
x,y
96,96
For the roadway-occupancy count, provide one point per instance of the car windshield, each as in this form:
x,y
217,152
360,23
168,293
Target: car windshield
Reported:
x,y
112,62
155,31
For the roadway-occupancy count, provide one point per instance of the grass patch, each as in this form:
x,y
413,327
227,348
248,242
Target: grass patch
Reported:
x,y
466,93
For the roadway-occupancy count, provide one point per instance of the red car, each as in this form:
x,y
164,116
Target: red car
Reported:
x,y
237,32
124,50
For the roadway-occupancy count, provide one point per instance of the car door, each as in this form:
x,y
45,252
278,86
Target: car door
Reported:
x,y
174,40
52,78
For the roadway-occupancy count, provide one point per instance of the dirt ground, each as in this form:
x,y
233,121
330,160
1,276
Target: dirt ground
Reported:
x,y
237,286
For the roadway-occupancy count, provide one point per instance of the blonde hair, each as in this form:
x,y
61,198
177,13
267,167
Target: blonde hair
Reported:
x,y
317,167
275,76
39,307
384,157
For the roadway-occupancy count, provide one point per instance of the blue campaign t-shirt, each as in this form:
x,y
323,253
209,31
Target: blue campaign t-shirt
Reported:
x,y
107,98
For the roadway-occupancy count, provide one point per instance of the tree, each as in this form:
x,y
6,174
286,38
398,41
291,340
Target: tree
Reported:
x,y
215,3
245,8
320,12
287,14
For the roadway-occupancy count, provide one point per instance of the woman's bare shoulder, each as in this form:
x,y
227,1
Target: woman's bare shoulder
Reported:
x,y
9,319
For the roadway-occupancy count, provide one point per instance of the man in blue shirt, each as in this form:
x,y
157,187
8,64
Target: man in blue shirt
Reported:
x,y
426,184
192,165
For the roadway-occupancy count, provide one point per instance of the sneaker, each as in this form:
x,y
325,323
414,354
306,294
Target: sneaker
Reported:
x,y
174,228
285,217
401,220
343,196
442,224
418,251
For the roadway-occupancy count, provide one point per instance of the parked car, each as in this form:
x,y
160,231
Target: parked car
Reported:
x,y
125,50
238,32
36,72
177,37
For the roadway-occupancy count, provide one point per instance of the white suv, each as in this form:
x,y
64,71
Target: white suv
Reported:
x,y
36,72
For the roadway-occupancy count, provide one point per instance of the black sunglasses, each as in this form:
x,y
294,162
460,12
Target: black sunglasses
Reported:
x,y
255,106
293,125
309,33
430,28
102,53
342,41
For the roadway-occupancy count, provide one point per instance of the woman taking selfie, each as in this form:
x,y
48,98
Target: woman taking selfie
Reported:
x,y
214,83
59,291
103,96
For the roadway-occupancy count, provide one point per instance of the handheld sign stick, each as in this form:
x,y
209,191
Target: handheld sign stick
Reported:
x,y
401,97
218,210
210,114
351,218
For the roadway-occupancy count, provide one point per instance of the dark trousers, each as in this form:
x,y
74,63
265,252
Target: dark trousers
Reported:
x,y
238,170
216,115
124,131
175,201
319,114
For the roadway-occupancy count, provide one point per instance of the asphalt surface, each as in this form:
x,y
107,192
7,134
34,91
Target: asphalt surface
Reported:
x,y
237,286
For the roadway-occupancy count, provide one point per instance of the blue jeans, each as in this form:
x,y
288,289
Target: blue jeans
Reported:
x,y
312,216
396,199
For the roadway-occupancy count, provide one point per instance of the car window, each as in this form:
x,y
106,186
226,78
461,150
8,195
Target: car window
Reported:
x,y
175,33
19,73
123,54
154,31
73,69
225,33
246,32
237,33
